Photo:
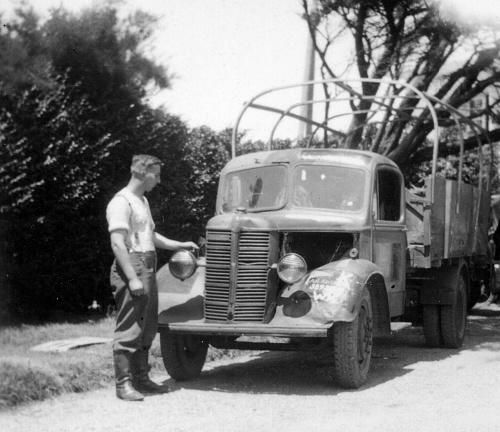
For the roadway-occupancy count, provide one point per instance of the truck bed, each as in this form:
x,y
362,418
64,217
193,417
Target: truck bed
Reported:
x,y
453,225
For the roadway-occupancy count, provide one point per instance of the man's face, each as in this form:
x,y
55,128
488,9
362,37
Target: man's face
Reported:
x,y
152,177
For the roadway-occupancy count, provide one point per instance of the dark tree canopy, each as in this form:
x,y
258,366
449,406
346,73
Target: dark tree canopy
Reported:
x,y
104,55
72,114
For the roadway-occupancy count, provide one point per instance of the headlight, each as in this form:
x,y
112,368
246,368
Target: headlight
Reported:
x,y
182,264
291,268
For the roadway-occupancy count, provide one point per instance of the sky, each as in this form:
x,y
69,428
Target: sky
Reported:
x,y
223,52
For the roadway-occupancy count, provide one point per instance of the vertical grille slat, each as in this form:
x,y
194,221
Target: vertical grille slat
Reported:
x,y
251,286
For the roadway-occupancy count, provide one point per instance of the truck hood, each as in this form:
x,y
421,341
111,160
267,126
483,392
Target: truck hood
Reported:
x,y
297,220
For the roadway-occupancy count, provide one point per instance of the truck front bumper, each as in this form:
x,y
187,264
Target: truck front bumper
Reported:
x,y
201,327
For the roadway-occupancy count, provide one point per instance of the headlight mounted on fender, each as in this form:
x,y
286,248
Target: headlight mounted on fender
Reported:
x,y
182,264
291,268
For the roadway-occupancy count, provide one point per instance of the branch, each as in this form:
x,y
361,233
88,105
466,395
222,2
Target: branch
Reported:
x,y
425,154
363,63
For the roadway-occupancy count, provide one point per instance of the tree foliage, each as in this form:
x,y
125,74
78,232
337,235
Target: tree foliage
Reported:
x,y
206,153
43,135
72,114
413,41
50,171
104,55
23,62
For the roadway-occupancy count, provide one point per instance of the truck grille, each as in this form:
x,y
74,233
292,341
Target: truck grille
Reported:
x,y
251,285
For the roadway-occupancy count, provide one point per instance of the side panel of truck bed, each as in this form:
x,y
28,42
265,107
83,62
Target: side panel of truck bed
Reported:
x,y
449,227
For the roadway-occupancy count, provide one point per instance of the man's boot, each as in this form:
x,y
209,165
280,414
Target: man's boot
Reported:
x,y
140,371
124,389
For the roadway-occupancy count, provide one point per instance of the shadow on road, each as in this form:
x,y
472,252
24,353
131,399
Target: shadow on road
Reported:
x,y
310,373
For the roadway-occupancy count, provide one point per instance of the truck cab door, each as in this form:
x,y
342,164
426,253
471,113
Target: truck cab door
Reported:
x,y
389,234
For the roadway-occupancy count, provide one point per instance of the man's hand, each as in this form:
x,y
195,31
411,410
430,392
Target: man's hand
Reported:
x,y
123,258
173,245
136,287
190,246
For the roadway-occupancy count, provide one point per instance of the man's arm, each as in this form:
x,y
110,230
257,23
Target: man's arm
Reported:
x,y
123,258
165,243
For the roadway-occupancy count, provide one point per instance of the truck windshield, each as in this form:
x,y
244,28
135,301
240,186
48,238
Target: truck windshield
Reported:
x,y
255,189
328,187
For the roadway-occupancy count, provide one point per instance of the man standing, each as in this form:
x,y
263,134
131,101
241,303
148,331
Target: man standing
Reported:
x,y
133,278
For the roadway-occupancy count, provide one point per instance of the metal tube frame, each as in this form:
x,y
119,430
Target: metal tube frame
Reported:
x,y
430,103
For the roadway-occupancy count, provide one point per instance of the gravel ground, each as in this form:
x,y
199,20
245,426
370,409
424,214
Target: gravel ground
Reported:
x,y
410,388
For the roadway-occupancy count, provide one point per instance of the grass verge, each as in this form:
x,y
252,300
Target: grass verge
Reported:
x,y
28,376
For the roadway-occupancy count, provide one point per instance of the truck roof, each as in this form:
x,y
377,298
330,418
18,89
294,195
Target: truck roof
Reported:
x,y
363,159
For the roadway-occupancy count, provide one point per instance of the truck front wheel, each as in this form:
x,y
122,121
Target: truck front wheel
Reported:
x,y
183,355
352,345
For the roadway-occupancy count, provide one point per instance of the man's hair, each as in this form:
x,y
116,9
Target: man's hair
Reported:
x,y
140,163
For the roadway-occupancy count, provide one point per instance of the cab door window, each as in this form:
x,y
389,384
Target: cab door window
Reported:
x,y
387,198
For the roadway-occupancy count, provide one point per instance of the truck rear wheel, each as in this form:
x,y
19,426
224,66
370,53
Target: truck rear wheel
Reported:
x,y
432,326
183,355
454,317
444,326
474,295
352,345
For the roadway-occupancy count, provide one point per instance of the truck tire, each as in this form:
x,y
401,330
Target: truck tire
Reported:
x,y
432,326
454,317
479,293
474,295
183,355
352,345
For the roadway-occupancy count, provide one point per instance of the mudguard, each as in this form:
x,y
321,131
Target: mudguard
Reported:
x,y
180,301
330,294
442,284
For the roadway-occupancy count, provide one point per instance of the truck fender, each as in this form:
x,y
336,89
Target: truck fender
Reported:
x,y
331,293
180,301
442,284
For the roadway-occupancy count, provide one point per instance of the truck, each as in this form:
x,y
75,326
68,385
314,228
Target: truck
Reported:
x,y
327,249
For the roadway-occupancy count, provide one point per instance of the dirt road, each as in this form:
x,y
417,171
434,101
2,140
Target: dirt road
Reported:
x,y
411,388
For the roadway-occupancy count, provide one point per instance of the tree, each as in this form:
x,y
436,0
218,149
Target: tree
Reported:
x,y
43,134
107,56
69,125
206,154
49,174
23,62
410,40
